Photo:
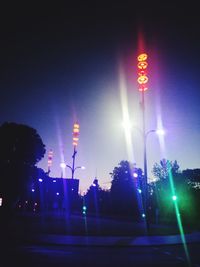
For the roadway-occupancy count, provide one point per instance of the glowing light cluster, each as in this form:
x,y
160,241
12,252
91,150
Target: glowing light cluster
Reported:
x,y
142,73
75,134
50,158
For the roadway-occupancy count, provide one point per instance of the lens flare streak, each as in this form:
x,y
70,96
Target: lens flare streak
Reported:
x,y
125,115
178,217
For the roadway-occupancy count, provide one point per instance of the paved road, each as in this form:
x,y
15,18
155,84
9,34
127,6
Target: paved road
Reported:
x,y
67,256
37,241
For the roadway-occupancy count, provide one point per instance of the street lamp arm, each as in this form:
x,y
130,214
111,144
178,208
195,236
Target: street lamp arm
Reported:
x,y
69,167
78,167
148,132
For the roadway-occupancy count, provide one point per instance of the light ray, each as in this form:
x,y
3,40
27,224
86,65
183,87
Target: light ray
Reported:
x,y
125,115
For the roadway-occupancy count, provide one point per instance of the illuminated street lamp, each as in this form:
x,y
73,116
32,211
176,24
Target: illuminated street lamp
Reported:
x,y
63,166
73,169
49,161
76,129
142,82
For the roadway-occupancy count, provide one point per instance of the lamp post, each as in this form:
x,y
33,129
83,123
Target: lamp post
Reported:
x,y
75,143
76,128
49,162
142,81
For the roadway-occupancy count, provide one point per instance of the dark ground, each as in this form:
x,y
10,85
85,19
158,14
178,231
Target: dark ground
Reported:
x,y
17,248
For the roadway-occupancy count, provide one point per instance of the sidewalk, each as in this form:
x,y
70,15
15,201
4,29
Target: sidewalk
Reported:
x,y
113,241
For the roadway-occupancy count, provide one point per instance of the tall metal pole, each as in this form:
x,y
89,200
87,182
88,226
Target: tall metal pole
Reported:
x,y
142,80
145,163
75,143
73,162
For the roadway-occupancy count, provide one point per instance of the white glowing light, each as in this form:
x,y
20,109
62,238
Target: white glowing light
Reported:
x,y
62,165
125,115
160,131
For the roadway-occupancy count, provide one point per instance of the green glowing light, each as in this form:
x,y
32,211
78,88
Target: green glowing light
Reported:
x,y
174,197
178,217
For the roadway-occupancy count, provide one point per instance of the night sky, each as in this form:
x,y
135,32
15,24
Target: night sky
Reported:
x,y
61,63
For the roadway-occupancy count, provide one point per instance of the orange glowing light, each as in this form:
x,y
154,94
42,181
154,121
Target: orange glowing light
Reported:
x,y
142,65
143,88
75,134
142,57
142,79
50,158
142,73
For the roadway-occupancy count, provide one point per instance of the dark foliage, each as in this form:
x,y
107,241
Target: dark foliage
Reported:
x,y
21,149
184,185
124,190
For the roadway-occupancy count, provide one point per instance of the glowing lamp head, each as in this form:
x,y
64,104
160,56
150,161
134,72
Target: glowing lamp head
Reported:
x,y
142,79
142,73
62,165
160,131
75,134
142,57
142,65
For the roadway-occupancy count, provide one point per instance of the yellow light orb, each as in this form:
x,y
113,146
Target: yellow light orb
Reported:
x,y
142,57
142,79
142,65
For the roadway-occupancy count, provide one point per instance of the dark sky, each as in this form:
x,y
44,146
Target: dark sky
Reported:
x,y
59,63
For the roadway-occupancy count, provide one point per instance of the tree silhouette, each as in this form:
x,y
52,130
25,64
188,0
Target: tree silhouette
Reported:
x,y
21,149
123,190
161,171
172,182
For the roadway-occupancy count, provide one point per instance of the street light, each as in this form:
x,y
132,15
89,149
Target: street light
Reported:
x,y
142,81
63,166
76,129
73,169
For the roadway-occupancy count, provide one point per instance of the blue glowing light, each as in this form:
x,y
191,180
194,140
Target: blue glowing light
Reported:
x,y
40,180
139,190
143,215
33,190
57,193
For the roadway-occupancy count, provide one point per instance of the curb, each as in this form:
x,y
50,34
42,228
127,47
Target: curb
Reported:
x,y
113,241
